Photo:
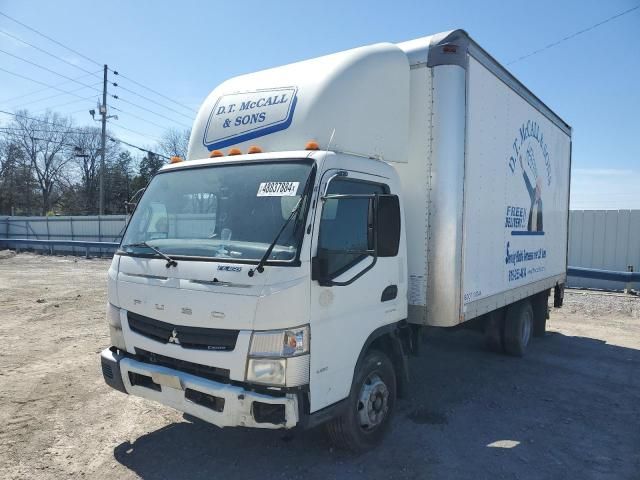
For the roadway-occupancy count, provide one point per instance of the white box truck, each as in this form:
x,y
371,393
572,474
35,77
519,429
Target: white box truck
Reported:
x,y
327,211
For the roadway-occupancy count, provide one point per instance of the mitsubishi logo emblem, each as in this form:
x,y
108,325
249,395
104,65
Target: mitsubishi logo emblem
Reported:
x,y
174,337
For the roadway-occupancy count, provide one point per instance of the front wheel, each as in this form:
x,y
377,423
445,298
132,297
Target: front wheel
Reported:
x,y
370,405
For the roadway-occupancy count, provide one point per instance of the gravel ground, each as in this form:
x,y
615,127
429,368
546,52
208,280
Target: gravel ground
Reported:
x,y
569,410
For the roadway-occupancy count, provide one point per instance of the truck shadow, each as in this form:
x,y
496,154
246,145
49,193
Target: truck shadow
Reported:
x,y
570,409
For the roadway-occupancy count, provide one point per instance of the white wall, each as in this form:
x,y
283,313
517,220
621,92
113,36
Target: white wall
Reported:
x,y
604,239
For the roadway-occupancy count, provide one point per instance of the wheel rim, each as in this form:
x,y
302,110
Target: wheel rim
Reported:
x,y
526,329
373,402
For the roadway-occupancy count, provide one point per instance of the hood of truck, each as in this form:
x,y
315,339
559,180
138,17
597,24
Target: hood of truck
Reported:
x,y
213,294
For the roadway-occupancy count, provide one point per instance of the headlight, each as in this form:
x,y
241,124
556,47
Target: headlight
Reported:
x,y
280,343
115,327
266,371
279,357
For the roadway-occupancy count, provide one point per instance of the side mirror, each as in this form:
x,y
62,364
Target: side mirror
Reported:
x,y
131,205
382,238
320,269
387,225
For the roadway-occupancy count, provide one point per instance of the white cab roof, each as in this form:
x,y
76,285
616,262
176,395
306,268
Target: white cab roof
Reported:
x,y
359,97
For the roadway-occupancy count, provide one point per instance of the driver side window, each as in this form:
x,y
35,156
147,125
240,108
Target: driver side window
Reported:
x,y
343,234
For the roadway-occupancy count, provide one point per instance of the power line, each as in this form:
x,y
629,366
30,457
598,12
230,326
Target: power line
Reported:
x,y
146,135
39,82
190,117
50,39
19,115
138,117
153,91
15,129
77,148
43,110
10,99
95,62
77,111
47,69
46,52
573,35
137,147
37,139
112,138
149,110
56,95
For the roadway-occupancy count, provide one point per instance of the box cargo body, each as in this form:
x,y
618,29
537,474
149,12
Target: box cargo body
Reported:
x,y
327,210
480,145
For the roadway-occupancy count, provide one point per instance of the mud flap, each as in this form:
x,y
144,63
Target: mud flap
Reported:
x,y
558,295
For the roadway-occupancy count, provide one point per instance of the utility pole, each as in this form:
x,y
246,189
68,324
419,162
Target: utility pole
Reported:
x,y
103,112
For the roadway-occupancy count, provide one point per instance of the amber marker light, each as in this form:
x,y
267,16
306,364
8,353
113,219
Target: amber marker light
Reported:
x,y
312,145
235,151
175,159
254,149
216,153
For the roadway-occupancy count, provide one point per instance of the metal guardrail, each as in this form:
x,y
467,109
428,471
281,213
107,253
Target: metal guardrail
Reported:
x,y
598,274
85,228
22,242
594,273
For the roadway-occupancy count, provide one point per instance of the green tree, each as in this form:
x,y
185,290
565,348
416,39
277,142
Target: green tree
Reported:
x,y
149,166
119,183
18,188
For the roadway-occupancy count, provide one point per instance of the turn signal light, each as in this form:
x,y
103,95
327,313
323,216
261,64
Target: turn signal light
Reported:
x,y
254,149
235,151
175,159
312,145
216,153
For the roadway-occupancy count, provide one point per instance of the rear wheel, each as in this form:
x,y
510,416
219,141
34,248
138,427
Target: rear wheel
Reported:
x,y
518,327
370,405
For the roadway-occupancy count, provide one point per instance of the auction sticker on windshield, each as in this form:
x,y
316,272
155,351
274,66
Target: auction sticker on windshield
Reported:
x,y
278,189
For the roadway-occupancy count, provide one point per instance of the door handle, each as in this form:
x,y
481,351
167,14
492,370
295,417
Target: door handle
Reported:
x,y
389,293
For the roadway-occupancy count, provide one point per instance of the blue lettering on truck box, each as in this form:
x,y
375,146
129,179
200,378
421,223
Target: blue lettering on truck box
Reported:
x,y
238,117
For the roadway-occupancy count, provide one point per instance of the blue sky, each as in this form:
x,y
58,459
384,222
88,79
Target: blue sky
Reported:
x,y
184,49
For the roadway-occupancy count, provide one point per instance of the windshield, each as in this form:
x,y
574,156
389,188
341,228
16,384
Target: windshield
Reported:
x,y
230,212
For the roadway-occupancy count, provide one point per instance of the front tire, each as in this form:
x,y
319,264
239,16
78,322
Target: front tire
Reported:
x,y
370,405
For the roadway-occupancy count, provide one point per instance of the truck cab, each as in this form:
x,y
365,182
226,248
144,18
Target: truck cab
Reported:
x,y
242,285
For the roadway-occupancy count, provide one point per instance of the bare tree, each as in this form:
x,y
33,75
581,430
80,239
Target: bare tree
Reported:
x,y
175,142
5,144
86,153
45,143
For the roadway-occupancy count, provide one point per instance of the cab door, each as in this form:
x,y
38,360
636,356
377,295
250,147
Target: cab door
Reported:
x,y
363,293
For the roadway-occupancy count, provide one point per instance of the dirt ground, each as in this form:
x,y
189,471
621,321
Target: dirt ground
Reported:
x,y
569,410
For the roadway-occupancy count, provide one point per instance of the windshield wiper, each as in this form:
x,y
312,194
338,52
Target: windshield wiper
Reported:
x,y
260,267
170,261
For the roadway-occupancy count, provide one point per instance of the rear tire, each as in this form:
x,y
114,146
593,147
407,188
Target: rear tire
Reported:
x,y
370,405
518,327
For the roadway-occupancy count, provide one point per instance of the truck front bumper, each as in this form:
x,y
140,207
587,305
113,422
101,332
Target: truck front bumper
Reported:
x,y
221,404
